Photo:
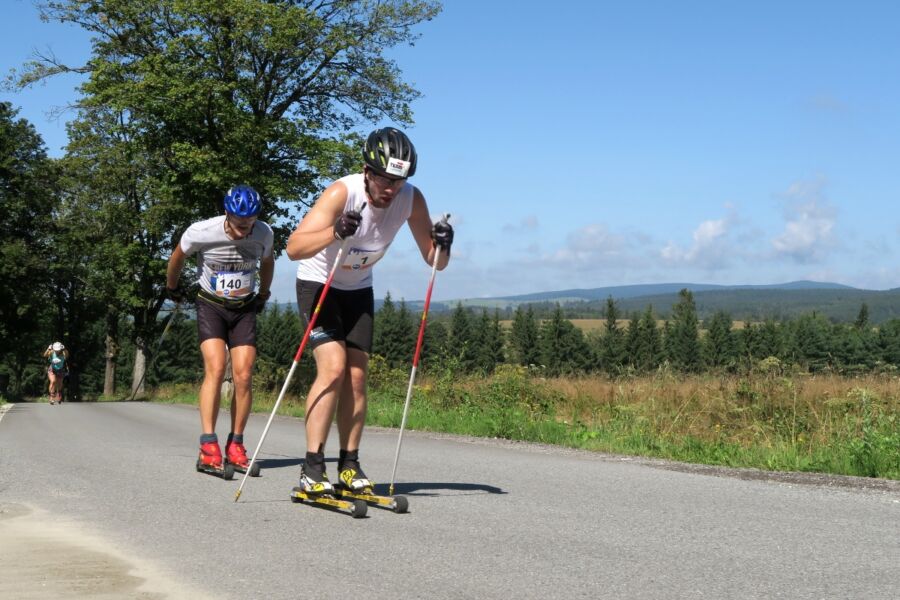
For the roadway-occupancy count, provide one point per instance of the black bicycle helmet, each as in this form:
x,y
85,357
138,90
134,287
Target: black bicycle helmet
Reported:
x,y
389,152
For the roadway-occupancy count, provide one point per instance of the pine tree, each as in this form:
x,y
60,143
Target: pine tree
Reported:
x,y
719,346
889,342
685,335
862,319
643,341
523,337
434,344
812,341
394,337
613,352
462,338
563,348
489,351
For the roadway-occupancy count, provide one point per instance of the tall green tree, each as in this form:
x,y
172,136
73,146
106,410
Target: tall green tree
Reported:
x,y
862,319
489,350
523,337
720,343
563,347
395,334
200,95
645,345
811,338
685,334
462,341
612,345
28,206
889,342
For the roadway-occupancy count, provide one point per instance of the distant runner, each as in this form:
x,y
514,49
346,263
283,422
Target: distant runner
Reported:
x,y
57,369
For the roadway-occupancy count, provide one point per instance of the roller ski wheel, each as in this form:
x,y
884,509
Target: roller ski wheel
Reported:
x,y
254,471
355,508
398,504
226,472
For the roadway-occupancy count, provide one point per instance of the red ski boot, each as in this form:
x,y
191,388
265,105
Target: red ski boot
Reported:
x,y
236,456
210,461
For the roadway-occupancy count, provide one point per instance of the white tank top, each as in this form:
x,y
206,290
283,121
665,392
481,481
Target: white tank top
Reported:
x,y
378,229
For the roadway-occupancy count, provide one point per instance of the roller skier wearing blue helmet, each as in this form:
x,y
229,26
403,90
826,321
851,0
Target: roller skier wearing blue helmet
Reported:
x,y
342,339
233,250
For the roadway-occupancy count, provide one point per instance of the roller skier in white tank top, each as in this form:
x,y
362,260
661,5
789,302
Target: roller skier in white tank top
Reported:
x,y
342,338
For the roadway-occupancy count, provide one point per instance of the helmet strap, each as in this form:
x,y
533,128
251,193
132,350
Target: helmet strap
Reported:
x,y
367,183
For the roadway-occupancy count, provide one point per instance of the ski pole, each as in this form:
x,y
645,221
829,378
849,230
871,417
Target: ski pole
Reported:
x,y
412,374
162,336
287,381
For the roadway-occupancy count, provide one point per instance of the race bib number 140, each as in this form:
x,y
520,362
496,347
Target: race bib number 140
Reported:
x,y
233,285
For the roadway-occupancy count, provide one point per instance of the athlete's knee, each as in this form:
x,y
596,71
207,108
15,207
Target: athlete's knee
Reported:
x,y
243,379
214,372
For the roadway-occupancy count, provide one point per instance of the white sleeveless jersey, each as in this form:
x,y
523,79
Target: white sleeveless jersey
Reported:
x,y
225,267
378,229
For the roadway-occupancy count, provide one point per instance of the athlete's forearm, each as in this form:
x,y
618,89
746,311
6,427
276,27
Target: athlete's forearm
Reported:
x,y
266,272
174,268
304,244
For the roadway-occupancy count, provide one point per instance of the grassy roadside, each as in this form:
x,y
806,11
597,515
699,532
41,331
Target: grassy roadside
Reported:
x,y
822,423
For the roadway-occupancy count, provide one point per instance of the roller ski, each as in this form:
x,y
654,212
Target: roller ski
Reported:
x,y
236,456
210,461
315,489
354,485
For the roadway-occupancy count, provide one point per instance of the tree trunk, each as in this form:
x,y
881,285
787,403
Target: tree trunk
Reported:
x,y
140,366
112,351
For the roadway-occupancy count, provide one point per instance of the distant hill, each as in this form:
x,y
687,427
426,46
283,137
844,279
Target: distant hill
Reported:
x,y
840,303
655,289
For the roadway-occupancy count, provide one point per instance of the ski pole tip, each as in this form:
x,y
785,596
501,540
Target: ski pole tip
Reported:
x,y
237,495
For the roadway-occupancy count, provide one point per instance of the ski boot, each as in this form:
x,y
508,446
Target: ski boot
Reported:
x,y
353,483
316,489
210,461
236,456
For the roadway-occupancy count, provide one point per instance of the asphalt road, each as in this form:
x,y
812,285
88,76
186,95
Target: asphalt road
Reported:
x,y
102,501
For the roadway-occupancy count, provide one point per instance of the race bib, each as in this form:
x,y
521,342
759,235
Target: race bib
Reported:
x,y
228,284
360,258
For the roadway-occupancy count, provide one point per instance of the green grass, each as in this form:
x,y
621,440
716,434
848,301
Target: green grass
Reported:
x,y
796,423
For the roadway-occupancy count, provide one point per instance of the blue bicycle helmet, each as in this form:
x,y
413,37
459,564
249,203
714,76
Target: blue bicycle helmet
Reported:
x,y
242,201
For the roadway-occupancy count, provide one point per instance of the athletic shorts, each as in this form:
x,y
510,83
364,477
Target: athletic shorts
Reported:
x,y
346,315
237,326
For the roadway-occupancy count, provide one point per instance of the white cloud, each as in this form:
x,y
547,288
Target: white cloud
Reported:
x,y
711,248
528,223
590,246
810,220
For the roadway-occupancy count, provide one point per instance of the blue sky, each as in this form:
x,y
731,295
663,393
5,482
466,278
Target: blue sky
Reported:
x,y
588,144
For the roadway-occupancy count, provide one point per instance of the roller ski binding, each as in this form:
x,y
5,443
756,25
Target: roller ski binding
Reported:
x,y
210,461
353,484
236,456
315,489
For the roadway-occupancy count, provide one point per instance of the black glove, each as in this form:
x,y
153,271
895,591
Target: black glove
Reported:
x,y
260,301
442,235
347,224
175,294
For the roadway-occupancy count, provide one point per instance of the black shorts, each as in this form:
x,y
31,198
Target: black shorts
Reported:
x,y
346,315
236,326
